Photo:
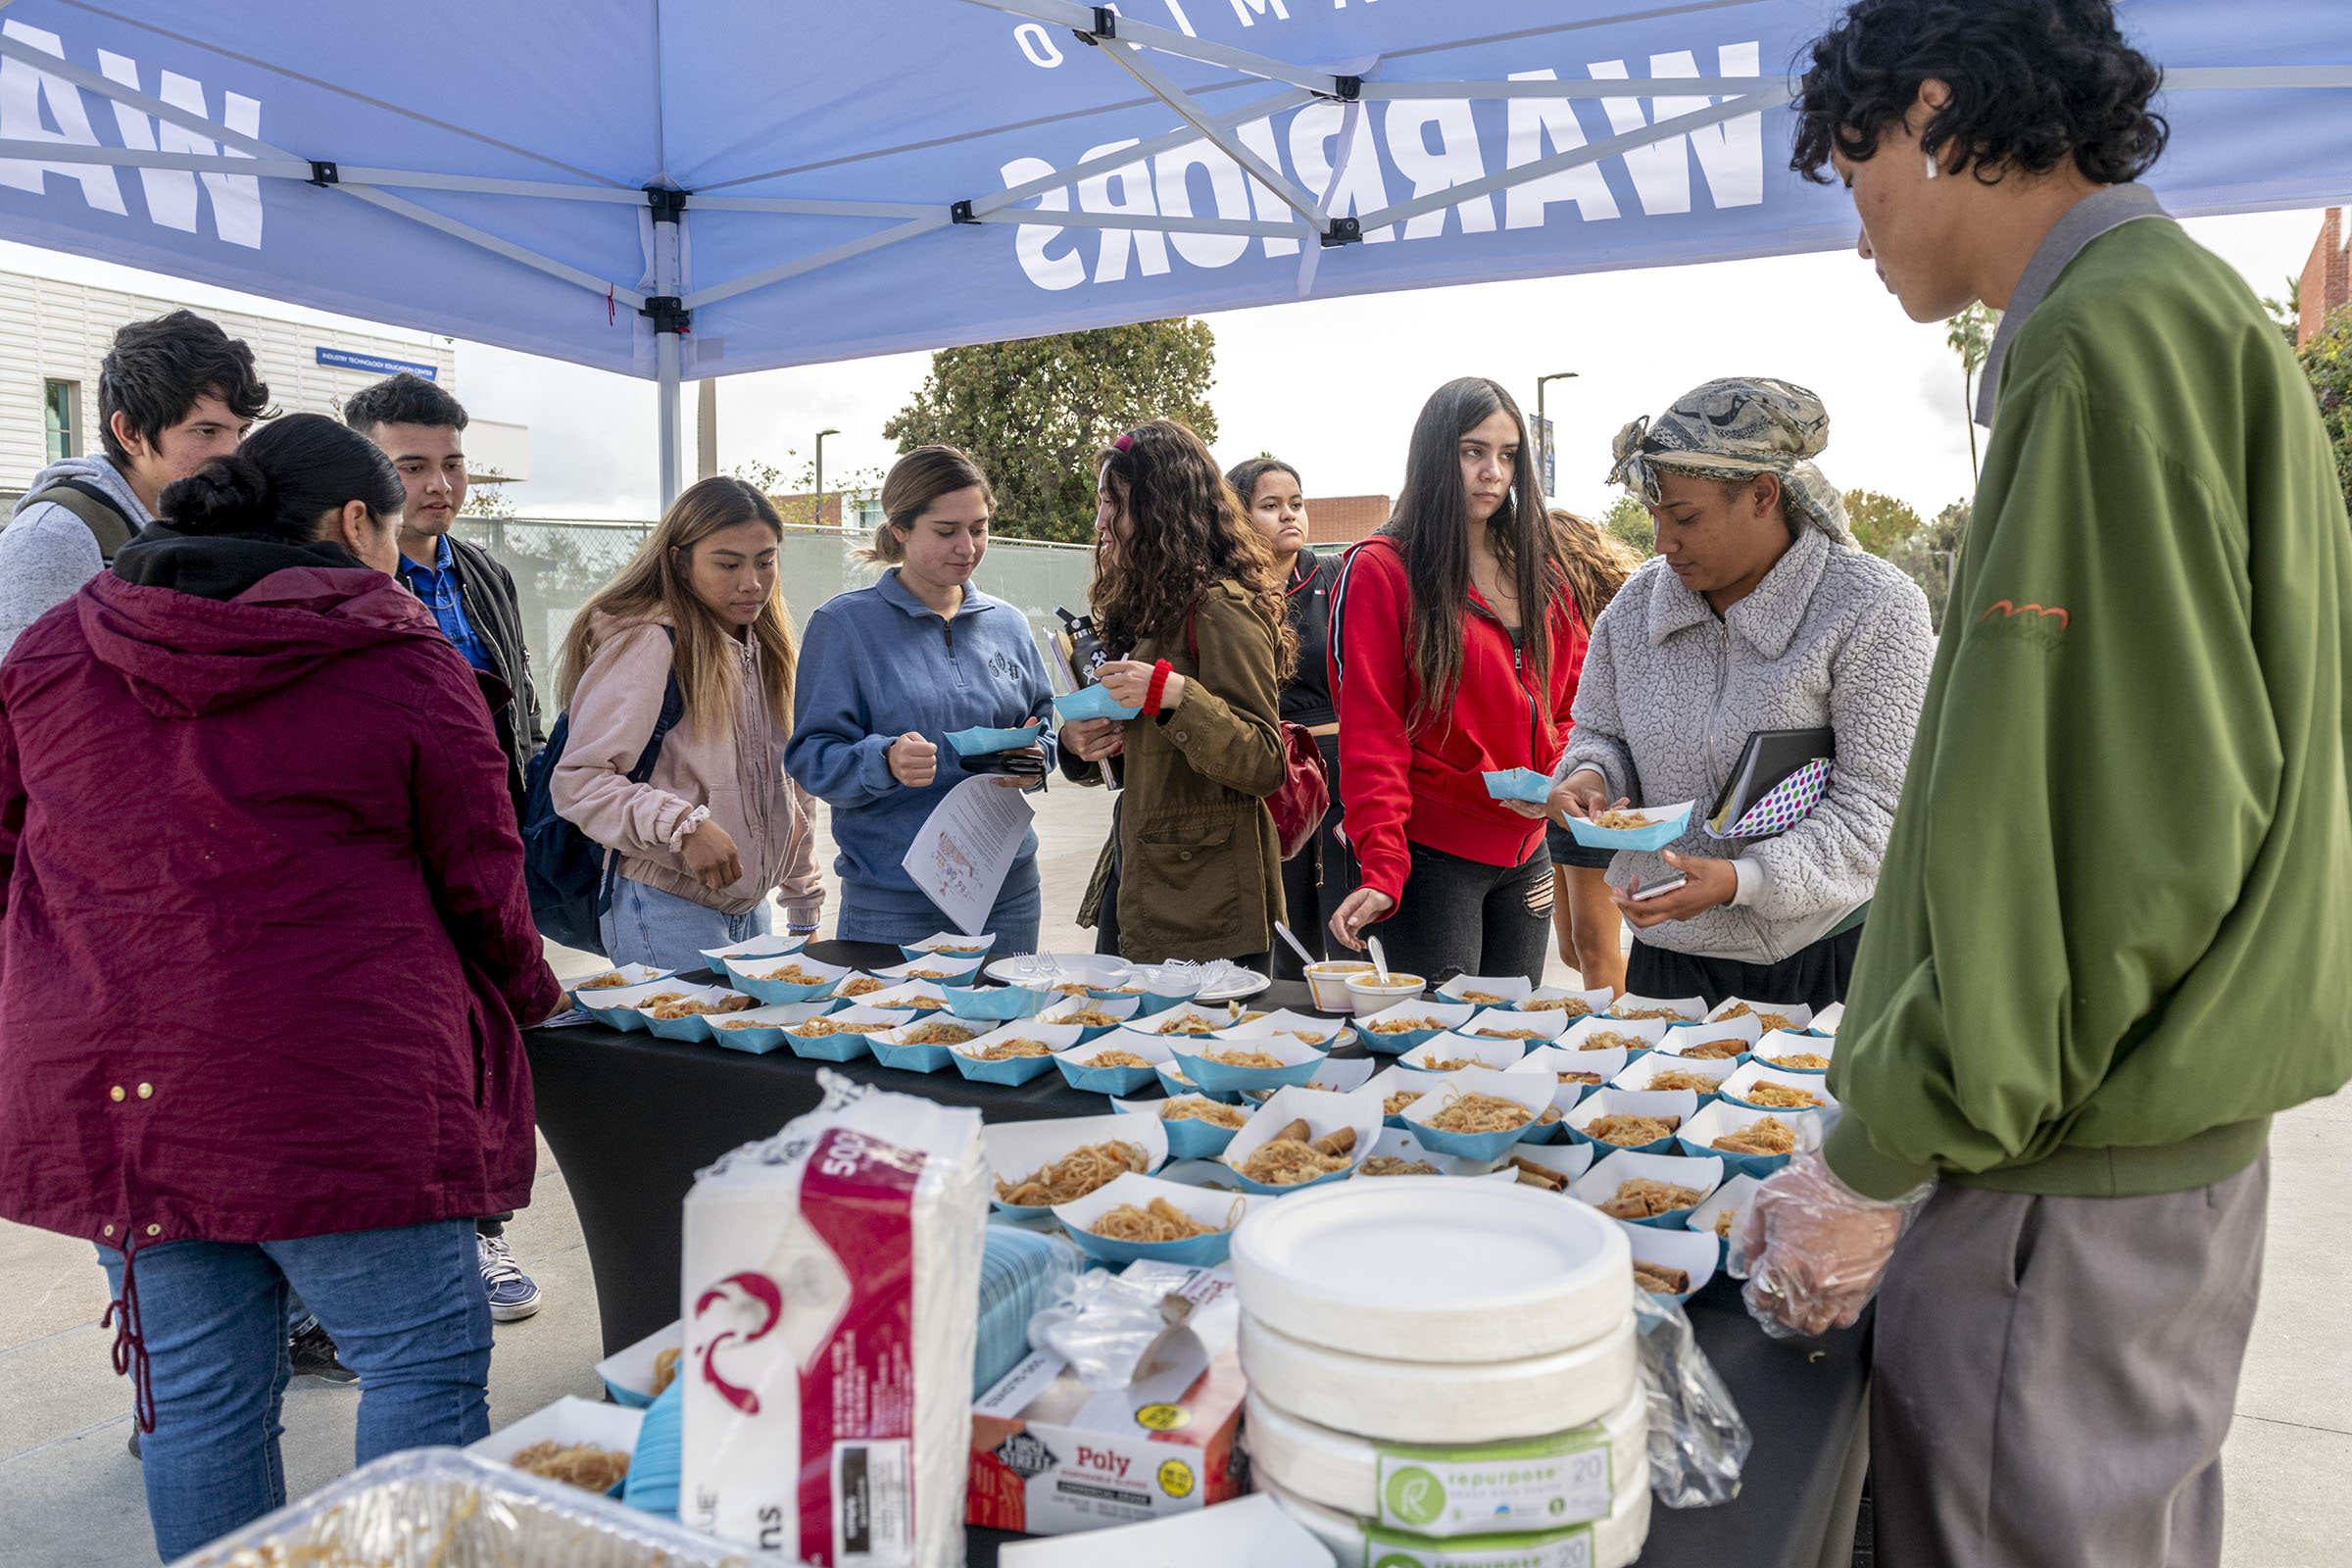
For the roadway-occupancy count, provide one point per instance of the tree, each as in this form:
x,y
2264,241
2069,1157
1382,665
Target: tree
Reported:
x,y
1880,523
1033,413
795,492
1927,555
1970,336
1628,520
2327,360
2286,309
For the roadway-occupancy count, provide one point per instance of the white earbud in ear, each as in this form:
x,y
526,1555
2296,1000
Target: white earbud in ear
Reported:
x,y
1932,170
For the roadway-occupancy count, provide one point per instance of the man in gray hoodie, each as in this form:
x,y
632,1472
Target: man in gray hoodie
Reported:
x,y
172,394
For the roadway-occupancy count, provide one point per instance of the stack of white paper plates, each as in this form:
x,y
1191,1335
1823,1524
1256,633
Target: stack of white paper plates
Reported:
x,y
1616,1540
1441,1401
1343,1472
1433,1270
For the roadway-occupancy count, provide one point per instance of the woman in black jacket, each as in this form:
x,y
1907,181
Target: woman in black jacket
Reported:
x,y
1319,876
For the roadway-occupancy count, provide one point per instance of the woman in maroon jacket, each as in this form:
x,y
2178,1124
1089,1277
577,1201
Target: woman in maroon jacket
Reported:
x,y
263,948
1455,646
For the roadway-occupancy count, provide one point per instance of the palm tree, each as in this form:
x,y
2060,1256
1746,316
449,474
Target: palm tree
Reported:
x,y
1970,336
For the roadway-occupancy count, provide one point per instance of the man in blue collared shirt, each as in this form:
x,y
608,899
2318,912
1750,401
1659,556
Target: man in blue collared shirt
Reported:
x,y
421,429
434,579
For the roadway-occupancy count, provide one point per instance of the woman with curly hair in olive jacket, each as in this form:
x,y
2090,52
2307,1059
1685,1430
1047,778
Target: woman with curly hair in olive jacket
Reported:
x,y
1188,590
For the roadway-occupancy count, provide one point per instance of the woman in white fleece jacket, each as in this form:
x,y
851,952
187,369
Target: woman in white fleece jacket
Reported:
x,y
1758,613
717,824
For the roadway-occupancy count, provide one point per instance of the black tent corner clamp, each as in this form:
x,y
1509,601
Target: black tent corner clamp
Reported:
x,y
668,313
668,205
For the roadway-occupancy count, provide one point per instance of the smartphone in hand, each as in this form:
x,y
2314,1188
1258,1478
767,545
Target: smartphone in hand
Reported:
x,y
1660,890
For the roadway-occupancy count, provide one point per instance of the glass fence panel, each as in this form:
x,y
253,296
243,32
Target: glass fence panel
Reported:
x,y
559,565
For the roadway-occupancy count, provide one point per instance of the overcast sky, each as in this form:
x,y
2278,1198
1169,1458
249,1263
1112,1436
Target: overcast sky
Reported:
x,y
1333,385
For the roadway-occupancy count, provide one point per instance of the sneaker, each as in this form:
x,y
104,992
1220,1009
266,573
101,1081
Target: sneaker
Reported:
x,y
512,1295
313,1356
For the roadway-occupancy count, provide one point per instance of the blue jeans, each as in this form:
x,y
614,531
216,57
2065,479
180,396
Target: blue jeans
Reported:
x,y
407,1312
647,925
1012,922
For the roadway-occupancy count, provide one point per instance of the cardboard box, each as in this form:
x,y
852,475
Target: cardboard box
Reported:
x,y
1050,1457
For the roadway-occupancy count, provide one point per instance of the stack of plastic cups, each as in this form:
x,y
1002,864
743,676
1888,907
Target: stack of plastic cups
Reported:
x,y
1444,1370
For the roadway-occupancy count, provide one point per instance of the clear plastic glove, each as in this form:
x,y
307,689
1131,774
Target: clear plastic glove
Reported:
x,y
1698,1438
1814,1249
1101,1325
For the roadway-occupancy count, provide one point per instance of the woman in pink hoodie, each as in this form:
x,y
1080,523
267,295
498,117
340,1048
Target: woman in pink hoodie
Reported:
x,y
716,825
264,949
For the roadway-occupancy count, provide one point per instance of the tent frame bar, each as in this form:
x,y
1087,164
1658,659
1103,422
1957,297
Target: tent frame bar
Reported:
x,y
933,220
260,151
1099,23
1254,227
1572,157
1200,120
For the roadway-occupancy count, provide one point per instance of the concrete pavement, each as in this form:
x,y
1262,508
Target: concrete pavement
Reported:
x,y
70,1495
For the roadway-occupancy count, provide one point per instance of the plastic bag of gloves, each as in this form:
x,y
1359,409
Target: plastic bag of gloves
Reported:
x,y
831,1296
1698,1438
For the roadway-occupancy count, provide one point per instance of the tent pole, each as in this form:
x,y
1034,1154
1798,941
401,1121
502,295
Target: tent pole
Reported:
x,y
673,319
666,410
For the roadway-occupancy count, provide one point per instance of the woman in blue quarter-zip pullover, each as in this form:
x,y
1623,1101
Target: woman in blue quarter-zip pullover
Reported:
x,y
888,672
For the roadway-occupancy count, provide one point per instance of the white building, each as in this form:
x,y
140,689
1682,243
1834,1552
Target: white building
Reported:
x,y
53,335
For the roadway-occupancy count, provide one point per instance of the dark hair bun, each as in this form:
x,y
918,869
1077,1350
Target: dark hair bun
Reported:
x,y
227,495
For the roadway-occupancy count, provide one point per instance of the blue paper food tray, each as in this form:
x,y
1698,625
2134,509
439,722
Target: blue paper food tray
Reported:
x,y
1519,784
981,741
1669,823
1092,702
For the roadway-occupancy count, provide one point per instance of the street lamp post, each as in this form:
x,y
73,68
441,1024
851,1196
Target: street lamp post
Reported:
x,y
1543,422
820,474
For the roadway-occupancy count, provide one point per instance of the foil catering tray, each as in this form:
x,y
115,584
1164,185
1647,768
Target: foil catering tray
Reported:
x,y
443,1508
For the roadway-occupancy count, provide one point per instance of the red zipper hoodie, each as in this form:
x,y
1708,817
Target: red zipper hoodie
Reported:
x,y
1398,787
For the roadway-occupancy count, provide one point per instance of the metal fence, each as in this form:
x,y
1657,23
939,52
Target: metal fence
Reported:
x,y
557,565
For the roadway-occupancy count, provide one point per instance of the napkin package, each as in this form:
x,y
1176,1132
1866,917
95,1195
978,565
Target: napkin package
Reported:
x,y
831,1296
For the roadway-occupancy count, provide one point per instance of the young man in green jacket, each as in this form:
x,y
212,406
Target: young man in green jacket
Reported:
x,y
2113,932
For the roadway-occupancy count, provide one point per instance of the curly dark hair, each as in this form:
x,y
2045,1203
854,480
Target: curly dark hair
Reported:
x,y
2033,81
154,372
403,399
1190,531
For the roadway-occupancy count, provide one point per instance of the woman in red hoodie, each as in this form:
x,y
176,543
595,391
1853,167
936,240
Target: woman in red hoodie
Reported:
x,y
263,948
1455,644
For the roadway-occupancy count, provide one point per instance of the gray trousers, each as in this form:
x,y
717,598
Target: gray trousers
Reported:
x,y
2053,1377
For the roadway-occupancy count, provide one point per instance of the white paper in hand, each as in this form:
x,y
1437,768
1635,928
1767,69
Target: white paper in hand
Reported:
x,y
960,854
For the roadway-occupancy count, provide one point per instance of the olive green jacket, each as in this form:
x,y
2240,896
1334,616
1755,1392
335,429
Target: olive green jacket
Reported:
x,y
1199,872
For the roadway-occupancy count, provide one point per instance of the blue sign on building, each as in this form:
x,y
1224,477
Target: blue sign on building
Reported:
x,y
346,360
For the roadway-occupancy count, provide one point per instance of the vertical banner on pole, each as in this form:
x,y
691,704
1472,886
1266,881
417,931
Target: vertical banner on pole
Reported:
x,y
1543,445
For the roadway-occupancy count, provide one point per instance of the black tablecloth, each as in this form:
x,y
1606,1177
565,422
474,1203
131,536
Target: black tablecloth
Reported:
x,y
631,1117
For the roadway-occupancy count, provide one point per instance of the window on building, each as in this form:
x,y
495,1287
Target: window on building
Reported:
x,y
60,403
860,513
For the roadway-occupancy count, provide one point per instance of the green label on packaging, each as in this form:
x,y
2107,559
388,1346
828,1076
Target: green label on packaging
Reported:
x,y
1567,1548
1504,1487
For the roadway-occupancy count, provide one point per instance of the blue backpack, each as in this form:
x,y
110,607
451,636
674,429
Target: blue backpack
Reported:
x,y
570,874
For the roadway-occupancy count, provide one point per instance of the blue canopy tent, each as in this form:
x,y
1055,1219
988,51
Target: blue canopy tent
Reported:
x,y
684,190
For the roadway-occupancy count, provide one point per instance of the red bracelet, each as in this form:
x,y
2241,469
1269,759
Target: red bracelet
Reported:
x,y
1160,683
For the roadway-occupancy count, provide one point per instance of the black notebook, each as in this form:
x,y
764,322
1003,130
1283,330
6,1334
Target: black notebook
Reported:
x,y
1765,763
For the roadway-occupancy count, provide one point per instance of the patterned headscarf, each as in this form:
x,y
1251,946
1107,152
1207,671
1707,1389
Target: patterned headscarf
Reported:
x,y
1733,429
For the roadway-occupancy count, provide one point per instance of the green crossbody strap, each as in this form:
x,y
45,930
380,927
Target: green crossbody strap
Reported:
x,y
107,525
